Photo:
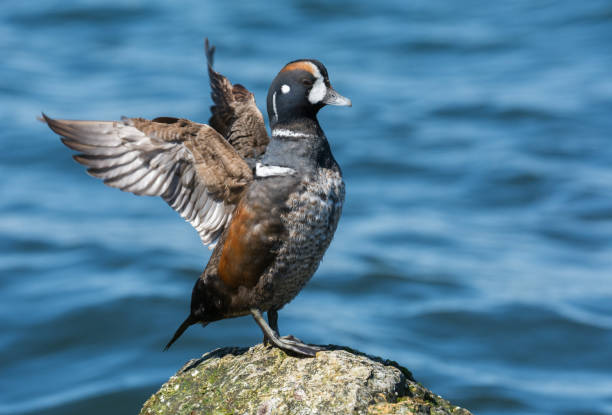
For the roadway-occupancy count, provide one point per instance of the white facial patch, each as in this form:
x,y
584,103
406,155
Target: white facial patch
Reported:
x,y
261,170
285,89
318,91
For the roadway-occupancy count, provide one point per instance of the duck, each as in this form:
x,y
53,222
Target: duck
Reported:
x,y
268,205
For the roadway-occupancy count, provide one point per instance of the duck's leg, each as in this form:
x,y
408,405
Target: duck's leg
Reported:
x,y
288,345
273,322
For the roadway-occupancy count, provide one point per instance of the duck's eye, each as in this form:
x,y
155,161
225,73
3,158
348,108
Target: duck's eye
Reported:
x,y
307,82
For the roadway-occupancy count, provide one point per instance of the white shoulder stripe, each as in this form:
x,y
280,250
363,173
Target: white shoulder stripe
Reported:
x,y
262,170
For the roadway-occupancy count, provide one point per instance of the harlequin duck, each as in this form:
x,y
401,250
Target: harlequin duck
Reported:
x,y
271,203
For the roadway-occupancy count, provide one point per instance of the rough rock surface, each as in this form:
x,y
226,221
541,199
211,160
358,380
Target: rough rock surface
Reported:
x,y
264,381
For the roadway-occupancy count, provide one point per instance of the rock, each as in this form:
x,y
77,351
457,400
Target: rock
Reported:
x,y
264,381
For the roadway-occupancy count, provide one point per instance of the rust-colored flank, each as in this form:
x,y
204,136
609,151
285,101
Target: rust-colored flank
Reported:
x,y
245,256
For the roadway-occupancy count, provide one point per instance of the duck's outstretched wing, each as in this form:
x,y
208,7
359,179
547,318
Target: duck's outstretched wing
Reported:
x,y
190,165
235,114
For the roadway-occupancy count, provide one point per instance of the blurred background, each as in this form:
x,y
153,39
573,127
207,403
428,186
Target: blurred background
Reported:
x,y
476,242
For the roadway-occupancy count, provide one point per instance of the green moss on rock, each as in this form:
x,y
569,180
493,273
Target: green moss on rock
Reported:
x,y
264,381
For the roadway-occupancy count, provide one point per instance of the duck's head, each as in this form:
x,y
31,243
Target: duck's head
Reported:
x,y
300,90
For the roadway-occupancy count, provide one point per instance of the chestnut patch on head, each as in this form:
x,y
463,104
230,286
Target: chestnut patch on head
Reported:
x,y
301,65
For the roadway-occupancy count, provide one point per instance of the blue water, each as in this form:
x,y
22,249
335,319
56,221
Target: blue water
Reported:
x,y
476,242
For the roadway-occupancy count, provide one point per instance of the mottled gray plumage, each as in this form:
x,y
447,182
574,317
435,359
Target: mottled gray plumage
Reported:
x,y
310,223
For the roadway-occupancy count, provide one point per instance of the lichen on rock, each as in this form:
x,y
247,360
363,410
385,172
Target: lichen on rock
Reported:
x,y
264,381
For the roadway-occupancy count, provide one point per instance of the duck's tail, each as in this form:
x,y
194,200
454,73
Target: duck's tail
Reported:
x,y
188,322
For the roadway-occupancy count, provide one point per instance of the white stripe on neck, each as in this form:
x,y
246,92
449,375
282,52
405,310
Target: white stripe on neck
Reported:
x,y
274,105
281,132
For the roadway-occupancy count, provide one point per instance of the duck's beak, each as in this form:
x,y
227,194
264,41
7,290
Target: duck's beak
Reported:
x,y
333,98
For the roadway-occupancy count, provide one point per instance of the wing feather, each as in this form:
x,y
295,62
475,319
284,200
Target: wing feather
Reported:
x,y
235,114
190,165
